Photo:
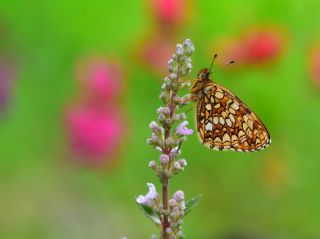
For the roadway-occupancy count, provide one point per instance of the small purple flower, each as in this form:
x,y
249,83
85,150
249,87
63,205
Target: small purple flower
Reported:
x,y
178,196
183,130
149,197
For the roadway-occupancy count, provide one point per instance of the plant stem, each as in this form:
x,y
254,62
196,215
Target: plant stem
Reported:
x,y
165,199
165,179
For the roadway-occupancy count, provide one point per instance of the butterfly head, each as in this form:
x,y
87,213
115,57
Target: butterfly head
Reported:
x,y
202,80
204,74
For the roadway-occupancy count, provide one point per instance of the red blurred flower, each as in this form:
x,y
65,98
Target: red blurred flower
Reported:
x,y
95,133
314,65
101,79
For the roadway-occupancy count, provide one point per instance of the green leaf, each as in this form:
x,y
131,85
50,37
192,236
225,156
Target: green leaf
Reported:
x,y
148,211
193,202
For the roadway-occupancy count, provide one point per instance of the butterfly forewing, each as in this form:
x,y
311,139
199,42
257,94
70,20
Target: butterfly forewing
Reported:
x,y
224,122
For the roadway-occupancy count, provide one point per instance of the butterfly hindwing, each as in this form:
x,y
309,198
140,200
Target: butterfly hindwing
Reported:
x,y
224,122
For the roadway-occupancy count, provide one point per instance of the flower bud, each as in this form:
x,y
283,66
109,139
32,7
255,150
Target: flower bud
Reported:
x,y
153,165
154,140
182,162
182,206
161,117
164,159
176,166
155,127
170,141
174,152
181,140
188,66
175,212
163,110
173,76
172,203
189,48
181,116
179,50
163,96
169,230
178,196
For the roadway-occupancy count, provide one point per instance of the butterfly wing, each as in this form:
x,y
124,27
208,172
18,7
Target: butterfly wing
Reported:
x,y
224,122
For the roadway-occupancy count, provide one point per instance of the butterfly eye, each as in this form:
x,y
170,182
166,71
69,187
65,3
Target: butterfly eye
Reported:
x,y
204,75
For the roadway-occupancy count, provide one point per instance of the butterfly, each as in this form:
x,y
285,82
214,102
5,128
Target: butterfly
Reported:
x,y
224,122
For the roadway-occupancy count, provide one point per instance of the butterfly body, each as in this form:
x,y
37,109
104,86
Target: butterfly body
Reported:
x,y
224,122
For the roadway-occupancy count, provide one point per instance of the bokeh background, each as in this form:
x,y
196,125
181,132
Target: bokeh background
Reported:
x,y
79,84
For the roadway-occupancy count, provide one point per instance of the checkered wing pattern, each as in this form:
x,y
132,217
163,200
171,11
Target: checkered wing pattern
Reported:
x,y
224,122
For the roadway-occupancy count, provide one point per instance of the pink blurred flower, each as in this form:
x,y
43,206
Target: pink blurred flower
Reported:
x,y
7,77
314,65
256,46
101,79
155,51
263,45
168,11
95,133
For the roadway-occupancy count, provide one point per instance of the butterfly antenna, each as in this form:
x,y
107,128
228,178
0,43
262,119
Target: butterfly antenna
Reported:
x,y
226,64
213,59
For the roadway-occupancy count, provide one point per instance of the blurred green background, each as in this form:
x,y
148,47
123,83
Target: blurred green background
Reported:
x,y
270,194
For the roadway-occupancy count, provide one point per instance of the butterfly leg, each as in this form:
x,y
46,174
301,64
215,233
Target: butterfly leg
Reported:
x,y
189,109
188,99
186,81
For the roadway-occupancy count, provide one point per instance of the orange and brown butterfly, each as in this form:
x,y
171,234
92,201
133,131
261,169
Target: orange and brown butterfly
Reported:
x,y
224,122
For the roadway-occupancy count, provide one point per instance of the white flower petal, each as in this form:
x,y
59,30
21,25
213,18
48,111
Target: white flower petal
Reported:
x,y
149,197
141,199
152,194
